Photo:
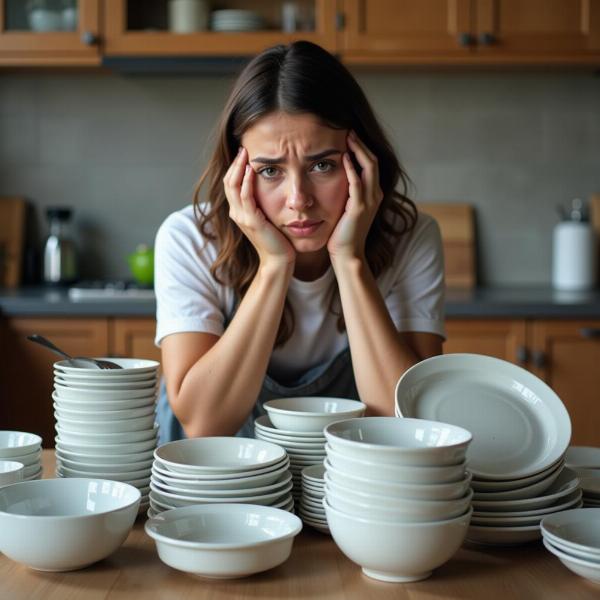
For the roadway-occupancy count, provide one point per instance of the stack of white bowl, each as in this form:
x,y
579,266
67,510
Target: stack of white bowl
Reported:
x,y
521,432
574,537
24,448
105,422
236,20
297,423
397,494
585,462
311,508
219,470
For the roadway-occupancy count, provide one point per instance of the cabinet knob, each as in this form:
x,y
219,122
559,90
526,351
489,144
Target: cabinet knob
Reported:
x,y
522,355
538,358
466,39
89,39
487,39
589,332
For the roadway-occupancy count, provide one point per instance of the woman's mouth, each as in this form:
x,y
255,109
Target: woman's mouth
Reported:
x,y
303,228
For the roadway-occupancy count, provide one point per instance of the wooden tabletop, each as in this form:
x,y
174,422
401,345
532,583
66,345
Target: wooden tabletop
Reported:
x,y
316,569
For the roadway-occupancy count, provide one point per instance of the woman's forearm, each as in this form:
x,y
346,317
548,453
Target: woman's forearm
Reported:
x,y
379,356
220,390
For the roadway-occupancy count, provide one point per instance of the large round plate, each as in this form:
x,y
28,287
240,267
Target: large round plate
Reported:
x,y
519,425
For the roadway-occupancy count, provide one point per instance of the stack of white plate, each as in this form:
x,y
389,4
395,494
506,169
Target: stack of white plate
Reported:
x,y
585,461
236,20
105,422
521,431
24,448
297,423
574,537
220,470
311,509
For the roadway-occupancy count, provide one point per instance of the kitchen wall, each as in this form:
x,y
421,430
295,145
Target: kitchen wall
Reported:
x,y
125,151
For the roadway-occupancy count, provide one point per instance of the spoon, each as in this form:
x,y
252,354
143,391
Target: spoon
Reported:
x,y
98,364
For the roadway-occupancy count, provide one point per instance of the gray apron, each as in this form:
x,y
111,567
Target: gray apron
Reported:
x,y
333,379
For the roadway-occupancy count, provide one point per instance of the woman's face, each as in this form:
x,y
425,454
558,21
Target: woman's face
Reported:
x,y
300,181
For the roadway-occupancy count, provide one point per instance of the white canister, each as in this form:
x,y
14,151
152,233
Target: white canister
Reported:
x,y
574,256
187,16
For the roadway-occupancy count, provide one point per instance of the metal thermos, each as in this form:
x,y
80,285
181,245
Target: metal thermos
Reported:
x,y
60,260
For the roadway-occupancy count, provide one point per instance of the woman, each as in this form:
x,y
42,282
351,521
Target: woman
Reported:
x,y
300,270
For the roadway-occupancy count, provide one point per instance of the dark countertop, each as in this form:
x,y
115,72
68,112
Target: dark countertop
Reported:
x,y
507,302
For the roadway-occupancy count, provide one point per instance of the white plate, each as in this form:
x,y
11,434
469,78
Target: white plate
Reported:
x,y
515,484
294,446
587,457
265,424
578,529
585,568
82,394
104,376
519,425
129,366
503,536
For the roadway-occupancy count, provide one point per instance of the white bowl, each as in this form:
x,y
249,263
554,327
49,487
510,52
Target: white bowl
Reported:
x,y
91,403
311,413
577,529
72,452
10,472
78,438
224,541
516,484
286,442
586,568
264,425
314,474
105,376
16,443
397,552
430,491
104,467
102,415
128,476
400,441
97,426
129,366
29,459
400,474
124,386
77,393
218,455
65,524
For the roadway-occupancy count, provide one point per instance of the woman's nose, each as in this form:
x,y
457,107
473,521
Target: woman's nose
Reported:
x,y
299,196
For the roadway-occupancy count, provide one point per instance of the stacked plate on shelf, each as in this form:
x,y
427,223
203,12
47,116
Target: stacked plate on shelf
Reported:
x,y
24,448
236,20
521,432
311,509
585,462
219,470
105,422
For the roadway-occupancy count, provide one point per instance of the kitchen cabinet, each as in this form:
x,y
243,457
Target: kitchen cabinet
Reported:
x,y
564,353
39,37
475,32
26,377
140,28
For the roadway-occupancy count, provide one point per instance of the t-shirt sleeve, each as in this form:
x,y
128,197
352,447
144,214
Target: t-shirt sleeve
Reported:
x,y
187,298
416,297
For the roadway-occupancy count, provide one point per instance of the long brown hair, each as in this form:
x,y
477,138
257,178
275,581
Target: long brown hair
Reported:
x,y
299,78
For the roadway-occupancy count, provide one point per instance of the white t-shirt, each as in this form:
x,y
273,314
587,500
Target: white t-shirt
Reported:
x,y
189,299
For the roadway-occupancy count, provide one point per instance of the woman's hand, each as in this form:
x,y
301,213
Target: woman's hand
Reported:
x,y
349,237
270,244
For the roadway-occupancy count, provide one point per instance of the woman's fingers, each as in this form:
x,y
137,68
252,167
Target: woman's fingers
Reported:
x,y
368,161
354,183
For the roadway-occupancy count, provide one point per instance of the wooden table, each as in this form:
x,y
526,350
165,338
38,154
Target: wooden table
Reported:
x,y
316,569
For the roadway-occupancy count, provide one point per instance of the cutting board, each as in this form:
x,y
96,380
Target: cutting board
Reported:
x,y
12,229
457,225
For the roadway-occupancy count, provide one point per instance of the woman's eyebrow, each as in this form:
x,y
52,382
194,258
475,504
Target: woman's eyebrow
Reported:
x,y
276,161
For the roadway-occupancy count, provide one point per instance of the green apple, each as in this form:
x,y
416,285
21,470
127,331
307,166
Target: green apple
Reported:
x,y
141,264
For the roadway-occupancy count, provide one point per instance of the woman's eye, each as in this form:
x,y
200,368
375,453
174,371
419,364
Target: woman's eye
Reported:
x,y
323,166
268,172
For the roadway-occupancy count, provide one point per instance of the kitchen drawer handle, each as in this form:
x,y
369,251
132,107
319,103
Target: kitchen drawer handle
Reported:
x,y
487,39
466,39
589,332
89,38
538,358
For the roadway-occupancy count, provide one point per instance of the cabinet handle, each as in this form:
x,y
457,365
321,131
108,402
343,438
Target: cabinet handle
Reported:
x,y
466,39
487,39
538,358
89,39
589,332
340,21
522,355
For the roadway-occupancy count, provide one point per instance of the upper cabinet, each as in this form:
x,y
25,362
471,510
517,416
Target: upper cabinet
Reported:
x,y
49,32
471,31
198,28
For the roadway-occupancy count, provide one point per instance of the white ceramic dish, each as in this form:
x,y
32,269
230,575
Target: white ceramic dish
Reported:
x,y
104,376
10,472
261,435
263,423
311,413
401,442
28,459
96,426
587,457
519,425
586,568
503,536
129,366
102,467
137,483
577,529
224,541
112,475
18,443
82,394
99,439
72,452
106,387
65,524
389,472
515,484
89,403
591,487
314,474
397,552
110,448
115,415
218,455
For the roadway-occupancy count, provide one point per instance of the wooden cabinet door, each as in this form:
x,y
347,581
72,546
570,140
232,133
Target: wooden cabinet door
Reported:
x,y
405,27
20,45
569,358
557,28
26,377
503,339
134,338
140,28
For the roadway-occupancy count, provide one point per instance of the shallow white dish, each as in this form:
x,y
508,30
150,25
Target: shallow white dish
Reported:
x,y
519,425
65,524
578,529
503,536
586,568
98,458
311,413
516,484
17,443
104,376
82,394
261,435
112,475
97,426
263,423
314,474
587,457
90,403
224,541
100,439
218,455
29,459
106,387
129,366
10,472
102,415
102,467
